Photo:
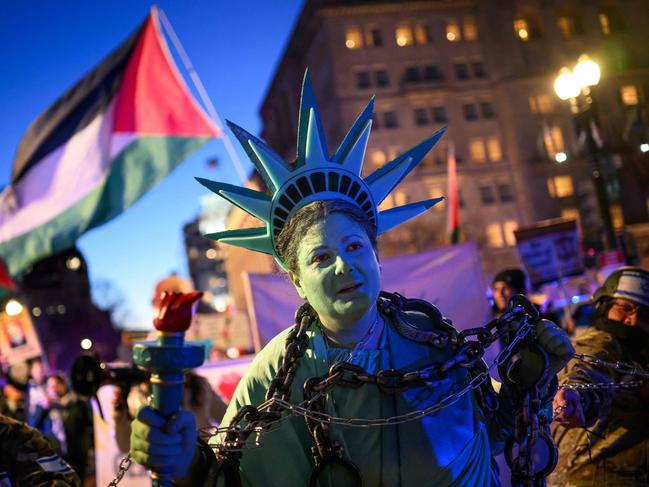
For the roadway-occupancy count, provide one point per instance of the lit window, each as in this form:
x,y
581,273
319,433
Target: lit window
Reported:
x,y
400,198
541,104
403,36
378,158
566,26
353,38
570,214
493,149
629,95
436,192
617,218
453,31
509,227
494,235
553,140
373,37
477,150
522,29
605,24
470,29
421,116
560,186
487,195
422,34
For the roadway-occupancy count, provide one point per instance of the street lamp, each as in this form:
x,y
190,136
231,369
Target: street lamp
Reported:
x,y
576,85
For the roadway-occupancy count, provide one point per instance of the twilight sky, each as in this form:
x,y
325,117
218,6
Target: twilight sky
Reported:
x,y
47,45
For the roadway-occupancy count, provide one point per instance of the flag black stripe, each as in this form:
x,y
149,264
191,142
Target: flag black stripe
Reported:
x,y
75,109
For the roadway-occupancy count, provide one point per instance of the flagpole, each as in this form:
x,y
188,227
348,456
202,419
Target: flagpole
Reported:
x,y
198,84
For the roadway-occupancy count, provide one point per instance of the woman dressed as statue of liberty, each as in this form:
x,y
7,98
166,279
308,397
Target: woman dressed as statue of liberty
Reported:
x,y
367,388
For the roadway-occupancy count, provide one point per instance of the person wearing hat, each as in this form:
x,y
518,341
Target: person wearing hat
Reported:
x,y
504,285
603,433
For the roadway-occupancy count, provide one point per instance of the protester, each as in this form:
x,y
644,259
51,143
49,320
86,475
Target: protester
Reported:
x,y
28,459
12,401
603,432
326,240
66,421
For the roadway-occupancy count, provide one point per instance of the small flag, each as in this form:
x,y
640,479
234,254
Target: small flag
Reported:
x,y
97,149
453,208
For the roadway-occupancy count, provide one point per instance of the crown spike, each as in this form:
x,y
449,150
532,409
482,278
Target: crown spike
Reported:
x,y
246,139
416,153
308,122
316,149
255,239
354,133
388,179
396,216
277,170
253,202
353,161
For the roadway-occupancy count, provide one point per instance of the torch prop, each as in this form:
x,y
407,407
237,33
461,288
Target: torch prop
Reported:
x,y
168,358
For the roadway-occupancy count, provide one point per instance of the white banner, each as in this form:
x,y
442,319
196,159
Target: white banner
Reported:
x,y
449,277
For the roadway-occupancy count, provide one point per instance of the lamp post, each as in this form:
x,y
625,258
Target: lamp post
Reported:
x,y
576,85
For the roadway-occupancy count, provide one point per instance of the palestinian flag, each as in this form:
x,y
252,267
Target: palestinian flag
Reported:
x,y
103,144
453,208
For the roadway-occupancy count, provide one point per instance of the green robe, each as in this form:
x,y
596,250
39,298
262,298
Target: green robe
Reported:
x,y
453,446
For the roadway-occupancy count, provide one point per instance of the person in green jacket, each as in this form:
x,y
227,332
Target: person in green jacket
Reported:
x,y
603,433
322,225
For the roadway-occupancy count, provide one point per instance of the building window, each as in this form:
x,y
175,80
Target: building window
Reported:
x,y
453,31
505,193
527,28
570,214
439,115
378,158
411,74
469,111
610,21
569,26
494,235
553,140
362,79
353,38
487,109
461,71
487,195
373,37
432,73
541,104
381,77
403,36
560,187
477,150
470,29
400,198
422,34
605,24
617,218
509,227
494,150
390,120
629,95
421,116
478,69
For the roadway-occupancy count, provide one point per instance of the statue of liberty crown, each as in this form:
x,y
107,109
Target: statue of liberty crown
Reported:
x,y
315,176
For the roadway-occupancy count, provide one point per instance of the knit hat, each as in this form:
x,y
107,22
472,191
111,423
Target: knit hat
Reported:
x,y
514,278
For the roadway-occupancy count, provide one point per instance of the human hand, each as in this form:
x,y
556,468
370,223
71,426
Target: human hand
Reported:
x,y
567,409
556,344
163,445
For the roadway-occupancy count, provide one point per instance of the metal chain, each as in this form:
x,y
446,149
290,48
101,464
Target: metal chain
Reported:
x,y
124,464
602,385
621,367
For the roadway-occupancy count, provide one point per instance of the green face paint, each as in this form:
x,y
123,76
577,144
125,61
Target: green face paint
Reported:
x,y
339,273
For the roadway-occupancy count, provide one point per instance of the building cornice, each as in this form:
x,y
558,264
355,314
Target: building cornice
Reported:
x,y
400,7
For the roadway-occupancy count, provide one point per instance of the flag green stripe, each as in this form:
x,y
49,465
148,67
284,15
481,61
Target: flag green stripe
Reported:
x,y
140,166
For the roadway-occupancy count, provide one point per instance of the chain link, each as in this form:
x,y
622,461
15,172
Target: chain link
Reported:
x,y
621,367
124,464
602,385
